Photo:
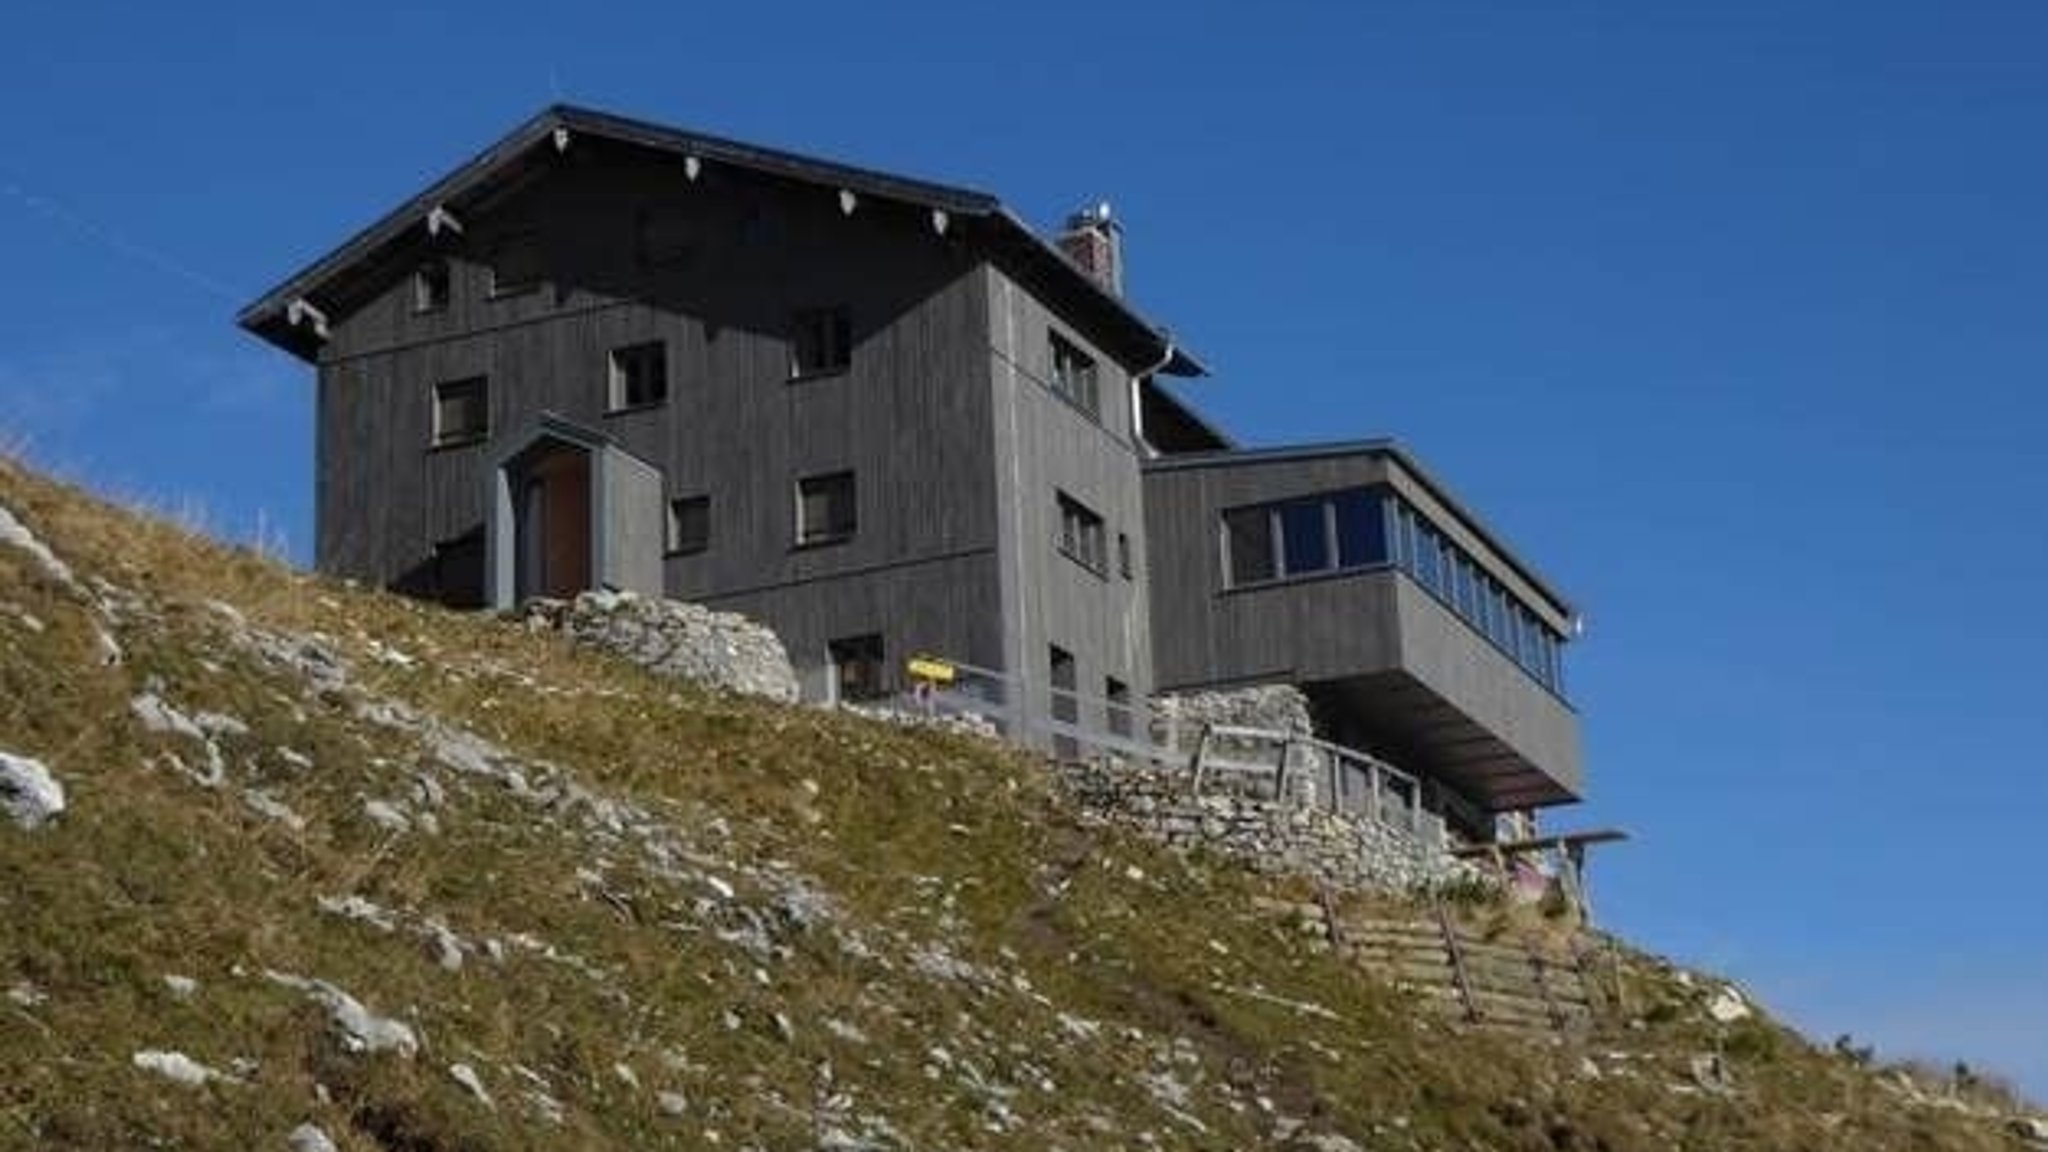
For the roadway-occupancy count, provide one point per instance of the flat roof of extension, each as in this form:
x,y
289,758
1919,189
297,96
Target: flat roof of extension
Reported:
x,y
1391,450
270,315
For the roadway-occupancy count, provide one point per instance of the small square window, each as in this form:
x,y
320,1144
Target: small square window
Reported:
x,y
462,410
821,342
516,264
430,286
859,671
639,375
1073,376
826,508
689,524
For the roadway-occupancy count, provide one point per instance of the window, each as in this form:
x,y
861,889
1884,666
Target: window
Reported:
x,y
665,236
1361,528
858,670
1066,701
821,342
1117,712
1073,376
430,286
516,264
1304,537
1123,555
689,524
1248,535
639,375
1081,535
462,410
826,509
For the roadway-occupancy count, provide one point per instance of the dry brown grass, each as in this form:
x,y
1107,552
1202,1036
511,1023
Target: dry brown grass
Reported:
x,y
917,837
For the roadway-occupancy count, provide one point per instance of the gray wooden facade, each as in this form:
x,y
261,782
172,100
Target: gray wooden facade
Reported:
x,y
947,414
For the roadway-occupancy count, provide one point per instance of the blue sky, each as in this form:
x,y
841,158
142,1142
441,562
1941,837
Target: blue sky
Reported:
x,y
1732,322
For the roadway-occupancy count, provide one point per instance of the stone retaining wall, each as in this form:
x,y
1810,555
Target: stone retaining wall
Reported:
x,y
1336,849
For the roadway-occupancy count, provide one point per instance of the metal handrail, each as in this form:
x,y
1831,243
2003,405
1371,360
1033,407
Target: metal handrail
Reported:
x,y
1153,735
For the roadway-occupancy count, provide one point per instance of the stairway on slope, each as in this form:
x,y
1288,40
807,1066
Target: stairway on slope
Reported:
x,y
1525,982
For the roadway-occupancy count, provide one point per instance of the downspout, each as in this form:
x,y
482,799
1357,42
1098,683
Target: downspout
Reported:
x,y
1138,401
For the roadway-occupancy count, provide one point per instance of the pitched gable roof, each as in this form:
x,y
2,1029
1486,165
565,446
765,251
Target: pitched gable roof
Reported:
x,y
282,314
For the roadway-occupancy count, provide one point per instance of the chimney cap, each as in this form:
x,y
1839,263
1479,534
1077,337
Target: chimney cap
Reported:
x,y
1096,215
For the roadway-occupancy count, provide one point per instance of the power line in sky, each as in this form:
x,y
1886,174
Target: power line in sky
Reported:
x,y
84,226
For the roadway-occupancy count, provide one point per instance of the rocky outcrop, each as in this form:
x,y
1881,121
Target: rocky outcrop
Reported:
x,y
672,638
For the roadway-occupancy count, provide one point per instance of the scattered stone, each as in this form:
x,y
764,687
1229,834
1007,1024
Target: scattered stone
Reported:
x,y
386,815
175,1066
466,1076
362,1031
1728,1006
14,532
672,1103
159,715
309,1138
29,795
182,987
271,808
1710,1073
105,648
671,638
361,910
27,995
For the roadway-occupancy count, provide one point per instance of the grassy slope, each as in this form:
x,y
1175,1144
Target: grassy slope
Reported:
x,y
991,972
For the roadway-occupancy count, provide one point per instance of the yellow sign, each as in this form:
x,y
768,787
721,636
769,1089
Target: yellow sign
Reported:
x,y
934,671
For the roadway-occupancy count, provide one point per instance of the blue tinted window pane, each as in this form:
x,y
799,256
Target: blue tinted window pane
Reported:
x,y
1428,558
1467,591
1361,529
1304,537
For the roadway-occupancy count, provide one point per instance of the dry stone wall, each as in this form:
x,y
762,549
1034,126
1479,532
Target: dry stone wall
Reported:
x,y
1337,849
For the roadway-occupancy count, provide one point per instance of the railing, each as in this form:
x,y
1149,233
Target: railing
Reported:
x,y
1271,763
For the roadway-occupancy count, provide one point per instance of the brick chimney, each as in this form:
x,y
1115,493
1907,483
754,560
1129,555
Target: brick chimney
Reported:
x,y
1094,241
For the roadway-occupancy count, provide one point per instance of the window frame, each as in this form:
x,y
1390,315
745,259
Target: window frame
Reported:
x,y
618,375
852,652
834,323
1073,375
832,532
1082,534
425,302
440,436
674,542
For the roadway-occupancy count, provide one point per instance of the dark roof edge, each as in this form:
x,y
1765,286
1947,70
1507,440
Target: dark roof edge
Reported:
x,y
1392,450
1194,416
952,199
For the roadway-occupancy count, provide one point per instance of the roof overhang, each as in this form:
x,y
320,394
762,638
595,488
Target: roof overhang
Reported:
x,y
293,314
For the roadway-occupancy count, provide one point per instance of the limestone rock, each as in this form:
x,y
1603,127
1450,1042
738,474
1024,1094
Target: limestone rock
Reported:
x,y
671,638
29,795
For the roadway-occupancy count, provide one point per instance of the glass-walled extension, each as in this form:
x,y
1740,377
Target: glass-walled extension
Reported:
x,y
1372,527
